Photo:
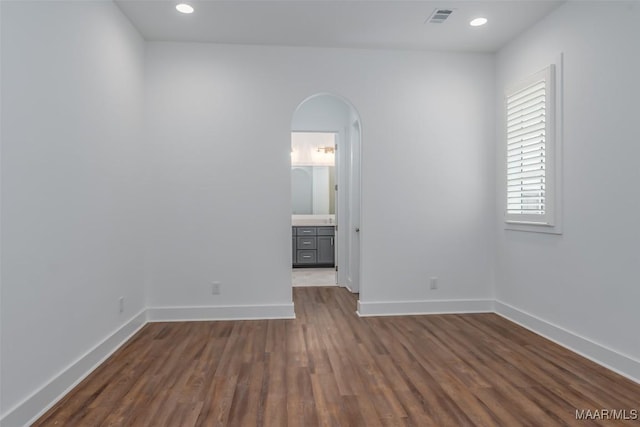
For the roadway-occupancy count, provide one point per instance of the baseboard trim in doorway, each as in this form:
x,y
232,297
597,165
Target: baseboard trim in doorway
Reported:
x,y
349,289
598,353
33,407
407,308
223,312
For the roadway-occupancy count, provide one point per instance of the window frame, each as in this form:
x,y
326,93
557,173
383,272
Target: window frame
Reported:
x,y
550,221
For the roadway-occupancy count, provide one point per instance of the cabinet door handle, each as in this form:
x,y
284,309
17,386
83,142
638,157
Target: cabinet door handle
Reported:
x,y
306,243
332,241
306,256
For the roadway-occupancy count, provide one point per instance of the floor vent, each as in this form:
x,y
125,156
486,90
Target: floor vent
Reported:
x,y
439,16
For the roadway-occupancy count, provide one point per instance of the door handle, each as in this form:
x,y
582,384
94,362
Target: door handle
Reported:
x,y
357,229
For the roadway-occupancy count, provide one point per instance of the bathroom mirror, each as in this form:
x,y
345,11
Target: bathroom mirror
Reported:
x,y
313,173
312,190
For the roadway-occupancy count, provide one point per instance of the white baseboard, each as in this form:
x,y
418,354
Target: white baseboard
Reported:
x,y
227,312
610,359
406,308
33,407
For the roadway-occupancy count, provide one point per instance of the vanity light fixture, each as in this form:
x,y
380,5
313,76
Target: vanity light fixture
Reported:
x,y
477,22
326,150
184,8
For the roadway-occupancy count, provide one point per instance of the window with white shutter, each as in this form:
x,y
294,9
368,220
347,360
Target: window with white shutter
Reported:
x,y
530,135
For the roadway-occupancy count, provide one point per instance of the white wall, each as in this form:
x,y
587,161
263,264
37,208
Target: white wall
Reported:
x,y
219,119
72,81
585,281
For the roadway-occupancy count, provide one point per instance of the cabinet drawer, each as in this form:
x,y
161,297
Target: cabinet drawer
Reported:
x,y
306,243
325,231
306,257
305,231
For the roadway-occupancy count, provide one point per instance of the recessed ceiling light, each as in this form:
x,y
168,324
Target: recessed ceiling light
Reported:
x,y
184,8
478,22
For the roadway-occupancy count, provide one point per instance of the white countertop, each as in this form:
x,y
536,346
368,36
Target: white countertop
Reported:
x,y
311,223
313,220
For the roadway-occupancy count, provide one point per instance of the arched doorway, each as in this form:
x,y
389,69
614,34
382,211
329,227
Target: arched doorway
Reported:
x,y
321,117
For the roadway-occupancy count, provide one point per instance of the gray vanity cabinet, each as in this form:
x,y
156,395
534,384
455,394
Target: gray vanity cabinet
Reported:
x,y
313,246
325,252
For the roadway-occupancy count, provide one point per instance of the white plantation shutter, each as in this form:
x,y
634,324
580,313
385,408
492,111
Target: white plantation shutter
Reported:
x,y
529,133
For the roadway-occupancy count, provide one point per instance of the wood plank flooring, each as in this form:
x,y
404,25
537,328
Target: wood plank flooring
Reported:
x,y
330,368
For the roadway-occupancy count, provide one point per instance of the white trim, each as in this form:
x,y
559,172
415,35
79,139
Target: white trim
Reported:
x,y
533,227
34,406
598,353
226,312
406,308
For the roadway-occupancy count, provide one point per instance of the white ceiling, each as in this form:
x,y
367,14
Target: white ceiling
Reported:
x,y
376,24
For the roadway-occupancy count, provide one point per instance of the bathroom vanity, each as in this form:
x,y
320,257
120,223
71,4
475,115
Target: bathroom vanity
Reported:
x,y
313,246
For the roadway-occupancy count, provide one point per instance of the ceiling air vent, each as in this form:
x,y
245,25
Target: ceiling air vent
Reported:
x,y
439,16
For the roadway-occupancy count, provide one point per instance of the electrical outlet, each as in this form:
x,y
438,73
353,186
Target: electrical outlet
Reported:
x,y
433,283
215,288
121,304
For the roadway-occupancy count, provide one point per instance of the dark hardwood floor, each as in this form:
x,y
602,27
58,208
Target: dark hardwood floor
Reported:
x,y
329,367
